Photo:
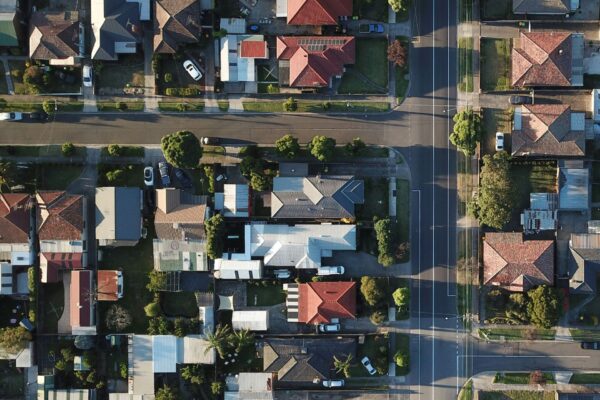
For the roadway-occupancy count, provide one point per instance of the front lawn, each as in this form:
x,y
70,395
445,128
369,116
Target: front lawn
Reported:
x,y
517,395
495,120
173,75
494,64
319,106
376,199
581,335
116,106
402,345
517,333
261,294
182,106
585,379
179,304
125,151
129,175
129,71
370,72
465,64
376,10
520,378
57,176
590,314
376,348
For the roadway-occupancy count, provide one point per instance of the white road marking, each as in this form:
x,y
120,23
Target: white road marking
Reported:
x,y
419,262
522,356
433,200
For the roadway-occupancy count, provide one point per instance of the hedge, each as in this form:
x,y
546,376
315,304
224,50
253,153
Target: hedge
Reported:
x,y
182,92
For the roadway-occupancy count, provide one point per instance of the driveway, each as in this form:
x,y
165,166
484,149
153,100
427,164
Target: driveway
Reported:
x,y
357,264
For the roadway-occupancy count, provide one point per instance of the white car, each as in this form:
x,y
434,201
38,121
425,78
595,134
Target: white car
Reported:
x,y
87,76
334,383
499,141
327,328
282,273
149,176
11,116
367,364
323,271
192,70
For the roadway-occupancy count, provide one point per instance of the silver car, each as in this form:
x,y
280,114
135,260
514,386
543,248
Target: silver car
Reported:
x,y
192,70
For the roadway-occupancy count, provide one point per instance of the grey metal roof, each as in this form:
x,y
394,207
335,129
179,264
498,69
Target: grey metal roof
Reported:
x,y
116,20
118,213
573,188
584,262
541,6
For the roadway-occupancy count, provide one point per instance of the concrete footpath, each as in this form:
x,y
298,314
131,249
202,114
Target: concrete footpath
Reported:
x,y
485,382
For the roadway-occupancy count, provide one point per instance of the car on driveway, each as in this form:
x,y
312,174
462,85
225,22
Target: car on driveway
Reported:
x,y
333,383
149,176
282,274
518,100
328,328
11,116
370,28
368,366
590,345
163,168
499,141
192,70
87,76
324,271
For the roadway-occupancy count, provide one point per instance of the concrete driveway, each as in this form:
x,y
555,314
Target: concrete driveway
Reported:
x,y
359,264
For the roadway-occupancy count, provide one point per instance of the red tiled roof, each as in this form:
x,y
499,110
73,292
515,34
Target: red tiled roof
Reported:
x,y
81,285
52,263
319,302
516,264
543,59
64,220
14,218
253,49
108,285
317,12
311,64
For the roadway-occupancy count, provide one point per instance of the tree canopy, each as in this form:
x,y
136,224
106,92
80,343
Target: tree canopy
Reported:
x,y
287,146
544,306
166,393
401,296
214,228
182,149
13,339
399,5
355,146
322,147
467,131
372,290
397,53
385,241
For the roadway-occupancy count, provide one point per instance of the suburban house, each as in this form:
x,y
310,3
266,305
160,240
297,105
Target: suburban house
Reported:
x,y
234,202
316,197
542,214
118,216
249,385
116,27
14,281
313,12
110,285
573,186
179,255
57,37
176,22
515,264
546,7
547,59
53,265
304,362
179,215
320,302
313,61
82,304
548,130
237,55
12,24
15,225
584,261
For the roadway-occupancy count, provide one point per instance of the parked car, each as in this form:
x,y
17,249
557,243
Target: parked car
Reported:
x,y
323,271
11,116
149,176
254,28
210,140
40,116
367,364
282,274
221,177
370,28
333,383
328,328
182,177
590,345
499,141
518,100
88,76
163,168
192,70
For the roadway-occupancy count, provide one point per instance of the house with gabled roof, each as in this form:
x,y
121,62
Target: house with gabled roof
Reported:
x,y
584,261
15,229
320,302
515,264
548,130
179,215
118,216
313,12
82,303
57,37
176,22
547,59
313,61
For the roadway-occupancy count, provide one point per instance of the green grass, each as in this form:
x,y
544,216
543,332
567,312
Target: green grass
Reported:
x,y
520,378
128,71
580,335
496,9
371,348
494,64
57,176
466,392
403,344
376,199
3,86
517,395
169,106
494,120
113,106
401,72
319,107
223,105
532,178
403,209
179,304
465,10
585,379
595,193
54,303
517,334
370,72
12,382
137,263
465,64
376,10
213,150
261,296
126,151
133,175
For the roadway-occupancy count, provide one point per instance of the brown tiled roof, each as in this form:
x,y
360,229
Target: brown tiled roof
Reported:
x,y
108,285
542,59
313,65
179,216
516,264
319,302
64,217
53,35
176,22
317,12
546,130
14,218
253,49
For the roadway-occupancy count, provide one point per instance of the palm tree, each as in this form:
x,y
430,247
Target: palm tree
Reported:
x,y
219,340
242,338
343,365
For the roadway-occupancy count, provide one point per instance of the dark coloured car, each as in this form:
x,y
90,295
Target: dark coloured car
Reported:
x,y
183,178
371,28
38,116
163,168
590,345
518,100
254,28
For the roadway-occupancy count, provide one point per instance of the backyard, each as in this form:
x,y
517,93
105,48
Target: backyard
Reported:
x,y
532,177
494,64
52,305
129,175
112,78
495,120
370,72
261,294
179,304
12,381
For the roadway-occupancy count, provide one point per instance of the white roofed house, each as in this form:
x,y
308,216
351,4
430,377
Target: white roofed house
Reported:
x,y
252,320
234,202
238,269
237,56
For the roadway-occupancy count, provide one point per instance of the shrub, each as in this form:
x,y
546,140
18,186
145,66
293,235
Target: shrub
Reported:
x,y
67,353
544,306
372,290
322,147
152,309
216,388
182,107
68,149
252,151
121,106
209,171
287,146
377,317
272,89
401,297
290,105
385,241
182,92
123,370
326,105
48,106
214,229
114,150
168,77
182,149
115,176
89,359
402,359
259,181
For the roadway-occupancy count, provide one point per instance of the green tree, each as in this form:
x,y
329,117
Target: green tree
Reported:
x,y
516,309
495,201
157,282
215,229
48,106
250,164
209,171
62,365
166,393
355,147
399,5
123,370
88,360
322,147
467,131
377,317
14,339
287,146
397,53
220,340
402,359
117,318
193,373
543,308
159,326
401,297
152,309
372,290
181,327
114,150
290,105
385,242
91,378
68,149
182,149
67,353
216,388
259,181
115,177
84,342
242,338
342,365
